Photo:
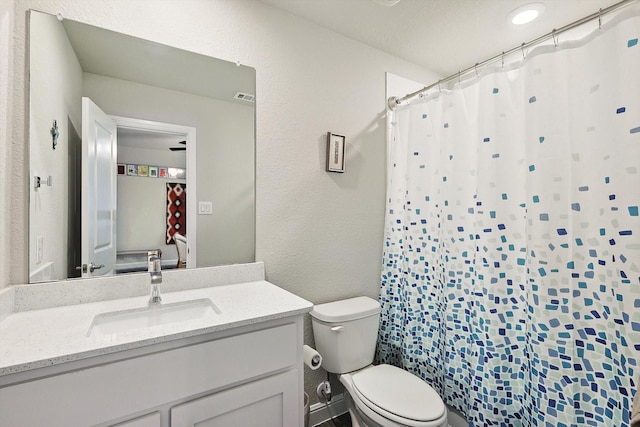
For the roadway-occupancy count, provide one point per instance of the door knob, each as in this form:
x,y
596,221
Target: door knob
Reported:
x,y
91,267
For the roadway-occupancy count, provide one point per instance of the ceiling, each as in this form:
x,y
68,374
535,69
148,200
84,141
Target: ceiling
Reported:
x,y
445,36
125,57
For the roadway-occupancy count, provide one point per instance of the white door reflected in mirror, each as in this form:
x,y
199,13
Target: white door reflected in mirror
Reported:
x,y
99,196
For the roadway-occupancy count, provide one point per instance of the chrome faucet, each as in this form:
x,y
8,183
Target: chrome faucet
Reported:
x,y
155,270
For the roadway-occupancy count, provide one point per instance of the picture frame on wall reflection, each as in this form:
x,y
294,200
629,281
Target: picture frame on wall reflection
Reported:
x,y
177,173
335,152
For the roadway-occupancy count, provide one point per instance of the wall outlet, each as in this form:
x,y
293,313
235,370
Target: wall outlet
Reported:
x,y
39,249
205,208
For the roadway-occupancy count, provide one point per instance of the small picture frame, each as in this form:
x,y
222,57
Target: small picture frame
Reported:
x,y
162,172
122,169
132,170
177,173
335,152
153,171
143,170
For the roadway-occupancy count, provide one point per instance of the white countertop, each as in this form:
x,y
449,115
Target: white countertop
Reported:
x,y
49,336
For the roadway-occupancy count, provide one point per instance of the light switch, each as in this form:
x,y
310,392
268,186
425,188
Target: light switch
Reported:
x,y
205,208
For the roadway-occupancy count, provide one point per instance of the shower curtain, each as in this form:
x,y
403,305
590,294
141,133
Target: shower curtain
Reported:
x,y
511,266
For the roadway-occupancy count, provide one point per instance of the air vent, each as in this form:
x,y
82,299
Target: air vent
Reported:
x,y
244,97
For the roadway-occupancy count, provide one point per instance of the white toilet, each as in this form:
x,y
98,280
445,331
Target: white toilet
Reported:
x,y
383,395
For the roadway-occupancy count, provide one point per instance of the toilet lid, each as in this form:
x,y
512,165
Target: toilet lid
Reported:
x,y
399,392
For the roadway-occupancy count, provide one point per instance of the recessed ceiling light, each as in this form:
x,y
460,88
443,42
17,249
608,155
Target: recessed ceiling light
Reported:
x,y
525,14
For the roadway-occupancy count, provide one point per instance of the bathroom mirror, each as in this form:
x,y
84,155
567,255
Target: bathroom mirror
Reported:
x,y
180,159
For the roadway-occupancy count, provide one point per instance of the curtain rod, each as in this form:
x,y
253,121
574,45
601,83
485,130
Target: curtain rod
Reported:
x,y
394,101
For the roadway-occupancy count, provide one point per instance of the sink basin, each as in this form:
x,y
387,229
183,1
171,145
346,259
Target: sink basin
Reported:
x,y
161,315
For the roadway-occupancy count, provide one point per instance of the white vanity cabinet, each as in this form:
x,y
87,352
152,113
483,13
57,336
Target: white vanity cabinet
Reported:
x,y
150,420
245,376
266,403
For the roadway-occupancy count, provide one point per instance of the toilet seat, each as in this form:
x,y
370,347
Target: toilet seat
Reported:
x,y
398,396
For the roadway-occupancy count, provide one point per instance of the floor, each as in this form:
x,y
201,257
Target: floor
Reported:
x,y
343,420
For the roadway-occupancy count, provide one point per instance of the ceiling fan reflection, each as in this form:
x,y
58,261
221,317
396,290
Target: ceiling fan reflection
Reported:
x,y
179,148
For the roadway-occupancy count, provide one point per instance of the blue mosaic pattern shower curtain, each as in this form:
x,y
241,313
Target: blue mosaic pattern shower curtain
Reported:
x,y
511,270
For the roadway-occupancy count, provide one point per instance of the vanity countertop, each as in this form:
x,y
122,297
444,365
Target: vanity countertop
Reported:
x,y
38,338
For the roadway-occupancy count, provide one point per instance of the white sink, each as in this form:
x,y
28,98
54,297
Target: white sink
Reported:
x,y
117,322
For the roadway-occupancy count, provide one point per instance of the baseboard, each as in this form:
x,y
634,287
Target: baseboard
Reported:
x,y
319,412
455,418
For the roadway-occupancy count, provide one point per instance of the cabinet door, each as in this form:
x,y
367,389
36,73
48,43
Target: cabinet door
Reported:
x,y
269,402
151,420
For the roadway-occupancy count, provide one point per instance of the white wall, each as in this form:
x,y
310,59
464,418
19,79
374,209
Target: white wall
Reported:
x,y
142,201
56,82
151,156
319,233
399,86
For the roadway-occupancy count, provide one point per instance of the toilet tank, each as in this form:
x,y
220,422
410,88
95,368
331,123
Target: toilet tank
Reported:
x,y
346,333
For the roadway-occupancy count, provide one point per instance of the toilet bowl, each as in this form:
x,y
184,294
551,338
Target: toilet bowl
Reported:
x,y
384,395
377,395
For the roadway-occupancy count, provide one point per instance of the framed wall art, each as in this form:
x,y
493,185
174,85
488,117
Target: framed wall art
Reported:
x,y
335,152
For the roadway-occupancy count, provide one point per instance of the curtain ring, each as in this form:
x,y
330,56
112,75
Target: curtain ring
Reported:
x,y
502,59
439,88
459,72
600,20
522,49
555,38
476,67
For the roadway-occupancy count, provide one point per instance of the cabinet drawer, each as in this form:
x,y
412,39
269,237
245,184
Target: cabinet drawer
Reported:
x,y
269,402
102,393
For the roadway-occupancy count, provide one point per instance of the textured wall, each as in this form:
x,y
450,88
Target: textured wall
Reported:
x,y
319,233
6,124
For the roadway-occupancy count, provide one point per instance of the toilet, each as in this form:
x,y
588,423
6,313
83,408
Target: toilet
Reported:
x,y
346,333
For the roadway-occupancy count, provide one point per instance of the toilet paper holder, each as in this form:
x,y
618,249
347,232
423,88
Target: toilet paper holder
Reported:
x,y
311,357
